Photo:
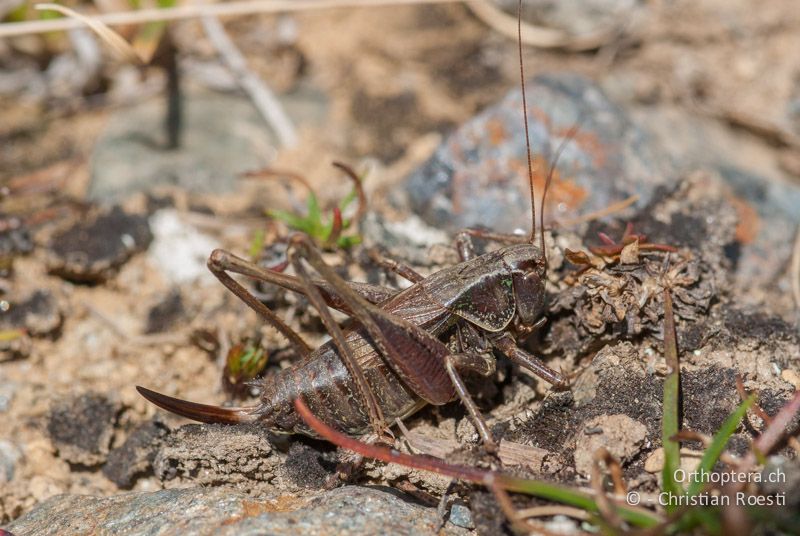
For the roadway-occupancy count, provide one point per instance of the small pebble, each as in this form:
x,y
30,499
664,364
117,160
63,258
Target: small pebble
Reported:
x,y
91,251
10,454
461,516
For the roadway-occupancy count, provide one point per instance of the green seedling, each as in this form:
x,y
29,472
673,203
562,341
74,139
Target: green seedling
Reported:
x,y
327,232
243,364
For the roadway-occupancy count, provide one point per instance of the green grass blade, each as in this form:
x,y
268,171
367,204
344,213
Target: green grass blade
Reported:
x,y
561,494
256,244
295,222
314,218
718,443
671,405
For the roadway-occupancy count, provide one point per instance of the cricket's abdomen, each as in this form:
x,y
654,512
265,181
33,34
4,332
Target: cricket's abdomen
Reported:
x,y
323,382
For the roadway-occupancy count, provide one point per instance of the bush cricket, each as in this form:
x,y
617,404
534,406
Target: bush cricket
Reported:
x,y
403,349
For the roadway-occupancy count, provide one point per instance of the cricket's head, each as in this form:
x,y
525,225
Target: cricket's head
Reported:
x,y
528,268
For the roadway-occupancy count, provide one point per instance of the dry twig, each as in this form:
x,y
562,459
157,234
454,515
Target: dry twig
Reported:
x,y
539,36
193,11
794,272
262,96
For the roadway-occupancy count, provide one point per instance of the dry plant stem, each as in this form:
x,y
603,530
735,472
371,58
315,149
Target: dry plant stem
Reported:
x,y
549,511
670,338
362,196
121,48
791,440
794,273
407,438
757,125
518,525
538,36
603,502
263,98
776,429
690,435
192,11
601,213
603,455
271,173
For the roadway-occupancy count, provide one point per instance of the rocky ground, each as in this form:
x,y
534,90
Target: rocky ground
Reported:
x,y
105,233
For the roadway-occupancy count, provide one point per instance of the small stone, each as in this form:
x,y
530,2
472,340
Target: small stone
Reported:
x,y
91,251
134,458
655,462
165,314
179,250
792,377
38,314
6,395
81,428
461,516
561,524
42,488
15,239
690,460
10,454
622,436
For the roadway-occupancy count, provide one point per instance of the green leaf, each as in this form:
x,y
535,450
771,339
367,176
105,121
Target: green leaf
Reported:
x,y
670,424
314,217
564,495
718,443
670,427
345,242
293,221
256,244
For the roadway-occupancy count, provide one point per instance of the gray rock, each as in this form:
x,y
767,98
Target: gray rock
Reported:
x,y
224,512
576,17
477,176
461,516
15,240
223,136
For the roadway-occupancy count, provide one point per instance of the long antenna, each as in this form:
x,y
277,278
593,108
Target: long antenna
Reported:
x,y
525,115
560,149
